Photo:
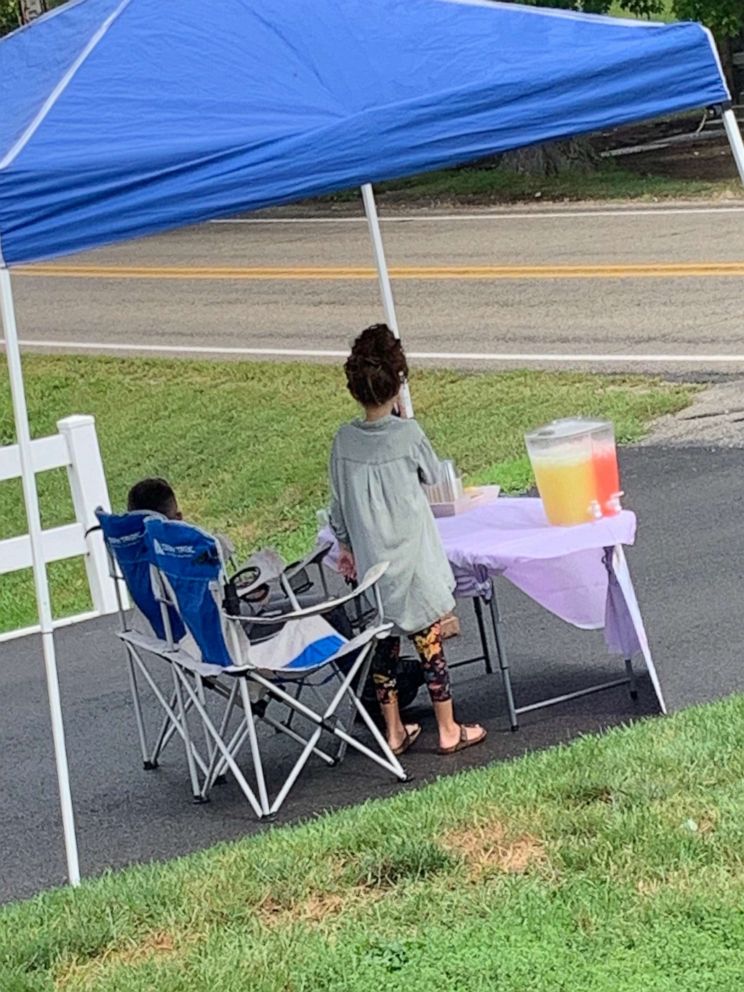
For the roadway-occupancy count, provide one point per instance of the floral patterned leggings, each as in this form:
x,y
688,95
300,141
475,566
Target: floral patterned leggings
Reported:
x,y
428,644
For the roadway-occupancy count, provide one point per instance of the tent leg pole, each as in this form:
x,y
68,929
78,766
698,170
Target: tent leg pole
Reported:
x,y
31,499
735,140
386,290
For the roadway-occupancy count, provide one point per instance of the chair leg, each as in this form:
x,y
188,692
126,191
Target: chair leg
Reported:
x,y
298,739
361,681
171,717
223,749
217,763
388,761
167,732
241,734
195,788
297,695
382,743
253,739
236,742
294,774
147,764
208,743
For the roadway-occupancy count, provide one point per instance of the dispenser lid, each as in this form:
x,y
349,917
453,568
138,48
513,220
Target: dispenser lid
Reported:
x,y
566,428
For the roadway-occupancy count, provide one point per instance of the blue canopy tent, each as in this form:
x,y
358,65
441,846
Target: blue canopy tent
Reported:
x,y
122,118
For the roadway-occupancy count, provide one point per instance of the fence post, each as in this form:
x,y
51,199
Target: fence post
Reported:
x,y
89,491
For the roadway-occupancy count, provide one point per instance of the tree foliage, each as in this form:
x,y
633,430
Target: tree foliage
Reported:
x,y
724,17
8,16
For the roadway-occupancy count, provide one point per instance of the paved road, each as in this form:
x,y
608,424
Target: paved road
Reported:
x,y
687,572
664,283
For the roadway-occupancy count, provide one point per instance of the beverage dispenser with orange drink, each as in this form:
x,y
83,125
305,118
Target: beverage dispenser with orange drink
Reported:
x,y
575,466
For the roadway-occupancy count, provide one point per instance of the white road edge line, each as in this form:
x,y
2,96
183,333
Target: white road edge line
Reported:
x,y
524,215
470,356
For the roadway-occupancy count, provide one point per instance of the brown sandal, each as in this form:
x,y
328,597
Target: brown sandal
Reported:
x,y
465,741
409,740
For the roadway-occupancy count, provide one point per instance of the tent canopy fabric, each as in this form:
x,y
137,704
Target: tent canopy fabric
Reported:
x,y
126,117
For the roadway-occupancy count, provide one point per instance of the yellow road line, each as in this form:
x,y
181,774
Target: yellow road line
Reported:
x,y
653,270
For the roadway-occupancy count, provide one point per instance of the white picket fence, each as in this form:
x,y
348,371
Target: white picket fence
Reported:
x,y
76,449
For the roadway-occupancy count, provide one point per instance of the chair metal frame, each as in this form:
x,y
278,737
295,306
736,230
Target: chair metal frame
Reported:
x,y
268,684
178,704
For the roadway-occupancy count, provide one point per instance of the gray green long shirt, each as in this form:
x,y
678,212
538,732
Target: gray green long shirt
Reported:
x,y
380,511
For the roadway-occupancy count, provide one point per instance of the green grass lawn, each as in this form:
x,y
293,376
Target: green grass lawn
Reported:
x,y
481,184
610,865
246,444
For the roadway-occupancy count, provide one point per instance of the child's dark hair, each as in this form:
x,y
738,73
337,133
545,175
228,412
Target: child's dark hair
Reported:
x,y
155,495
376,366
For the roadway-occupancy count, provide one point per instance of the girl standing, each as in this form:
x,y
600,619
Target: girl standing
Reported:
x,y
379,512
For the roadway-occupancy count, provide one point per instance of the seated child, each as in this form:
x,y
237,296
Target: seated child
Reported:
x,y
156,495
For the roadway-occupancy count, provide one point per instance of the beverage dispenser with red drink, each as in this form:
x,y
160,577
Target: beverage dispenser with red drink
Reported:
x,y
575,466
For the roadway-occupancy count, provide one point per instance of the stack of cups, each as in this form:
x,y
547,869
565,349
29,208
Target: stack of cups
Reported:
x,y
449,489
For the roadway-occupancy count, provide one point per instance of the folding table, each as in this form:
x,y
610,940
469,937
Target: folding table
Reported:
x,y
579,573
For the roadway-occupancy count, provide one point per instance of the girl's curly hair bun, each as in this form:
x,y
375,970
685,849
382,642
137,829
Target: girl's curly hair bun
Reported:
x,y
376,366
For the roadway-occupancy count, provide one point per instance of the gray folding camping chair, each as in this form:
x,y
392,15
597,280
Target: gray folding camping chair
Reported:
x,y
258,670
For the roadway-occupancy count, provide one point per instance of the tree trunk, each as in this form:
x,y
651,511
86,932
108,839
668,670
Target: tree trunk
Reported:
x,y
31,9
725,50
551,158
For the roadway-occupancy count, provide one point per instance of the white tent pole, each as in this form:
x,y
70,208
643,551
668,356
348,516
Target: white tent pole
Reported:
x,y
735,140
31,499
386,290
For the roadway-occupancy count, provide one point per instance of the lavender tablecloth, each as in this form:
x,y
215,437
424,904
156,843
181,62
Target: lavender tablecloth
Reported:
x,y
562,568
570,571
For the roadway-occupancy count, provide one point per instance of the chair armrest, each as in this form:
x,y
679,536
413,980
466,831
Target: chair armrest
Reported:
x,y
297,568
369,581
371,633
315,557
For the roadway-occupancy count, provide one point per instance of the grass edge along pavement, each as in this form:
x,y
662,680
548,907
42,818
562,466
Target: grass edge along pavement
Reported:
x,y
246,444
612,864
479,185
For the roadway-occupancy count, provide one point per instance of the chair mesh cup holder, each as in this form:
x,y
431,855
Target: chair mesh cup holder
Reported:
x,y
244,588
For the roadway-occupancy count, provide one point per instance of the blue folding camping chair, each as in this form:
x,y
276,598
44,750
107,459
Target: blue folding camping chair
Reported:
x,y
148,630
302,647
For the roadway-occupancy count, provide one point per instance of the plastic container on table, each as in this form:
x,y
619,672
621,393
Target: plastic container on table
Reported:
x,y
575,466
